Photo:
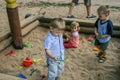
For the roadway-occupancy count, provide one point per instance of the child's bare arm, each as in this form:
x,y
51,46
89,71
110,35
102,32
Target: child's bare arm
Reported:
x,y
103,36
50,55
95,31
66,35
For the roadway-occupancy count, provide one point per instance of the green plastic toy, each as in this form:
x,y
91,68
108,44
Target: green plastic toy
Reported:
x,y
36,60
27,44
62,60
93,42
32,71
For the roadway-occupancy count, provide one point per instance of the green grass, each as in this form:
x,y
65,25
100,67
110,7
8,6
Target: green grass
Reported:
x,y
47,4
113,8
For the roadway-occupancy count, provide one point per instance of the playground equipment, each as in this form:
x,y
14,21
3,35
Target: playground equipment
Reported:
x,y
12,12
86,27
32,22
27,25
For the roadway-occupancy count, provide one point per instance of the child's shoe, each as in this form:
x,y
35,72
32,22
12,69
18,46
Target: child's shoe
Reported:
x,y
57,78
99,54
102,59
71,16
92,16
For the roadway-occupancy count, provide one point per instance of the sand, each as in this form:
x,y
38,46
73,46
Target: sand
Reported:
x,y
81,63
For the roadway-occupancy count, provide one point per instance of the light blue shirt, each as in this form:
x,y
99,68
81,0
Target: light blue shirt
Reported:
x,y
54,45
102,30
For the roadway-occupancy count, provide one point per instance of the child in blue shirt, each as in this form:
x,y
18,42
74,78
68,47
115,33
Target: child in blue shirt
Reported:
x,y
103,31
54,49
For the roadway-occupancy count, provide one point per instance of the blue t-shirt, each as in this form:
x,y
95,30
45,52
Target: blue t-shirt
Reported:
x,y
55,45
104,28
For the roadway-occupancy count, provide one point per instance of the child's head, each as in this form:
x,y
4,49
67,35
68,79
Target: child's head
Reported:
x,y
75,26
103,12
57,26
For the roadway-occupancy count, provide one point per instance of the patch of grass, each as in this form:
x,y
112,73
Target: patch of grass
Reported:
x,y
96,5
47,4
115,7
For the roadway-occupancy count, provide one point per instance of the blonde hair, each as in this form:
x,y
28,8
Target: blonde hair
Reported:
x,y
75,24
57,23
103,10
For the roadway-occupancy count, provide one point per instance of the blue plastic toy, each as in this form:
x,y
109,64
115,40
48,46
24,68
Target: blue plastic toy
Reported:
x,y
20,75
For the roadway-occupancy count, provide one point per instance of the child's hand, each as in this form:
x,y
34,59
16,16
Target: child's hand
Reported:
x,y
96,34
64,35
55,58
99,36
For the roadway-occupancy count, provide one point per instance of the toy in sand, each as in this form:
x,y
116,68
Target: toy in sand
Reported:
x,y
36,60
27,44
95,49
27,62
10,53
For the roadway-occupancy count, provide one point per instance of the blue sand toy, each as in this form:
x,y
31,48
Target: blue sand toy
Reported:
x,y
22,76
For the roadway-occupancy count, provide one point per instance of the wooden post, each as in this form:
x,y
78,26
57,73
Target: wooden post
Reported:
x,y
12,12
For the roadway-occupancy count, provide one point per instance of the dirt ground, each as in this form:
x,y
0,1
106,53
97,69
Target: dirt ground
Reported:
x,y
81,63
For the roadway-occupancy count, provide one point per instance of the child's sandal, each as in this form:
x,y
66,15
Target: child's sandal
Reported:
x,y
99,54
102,59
